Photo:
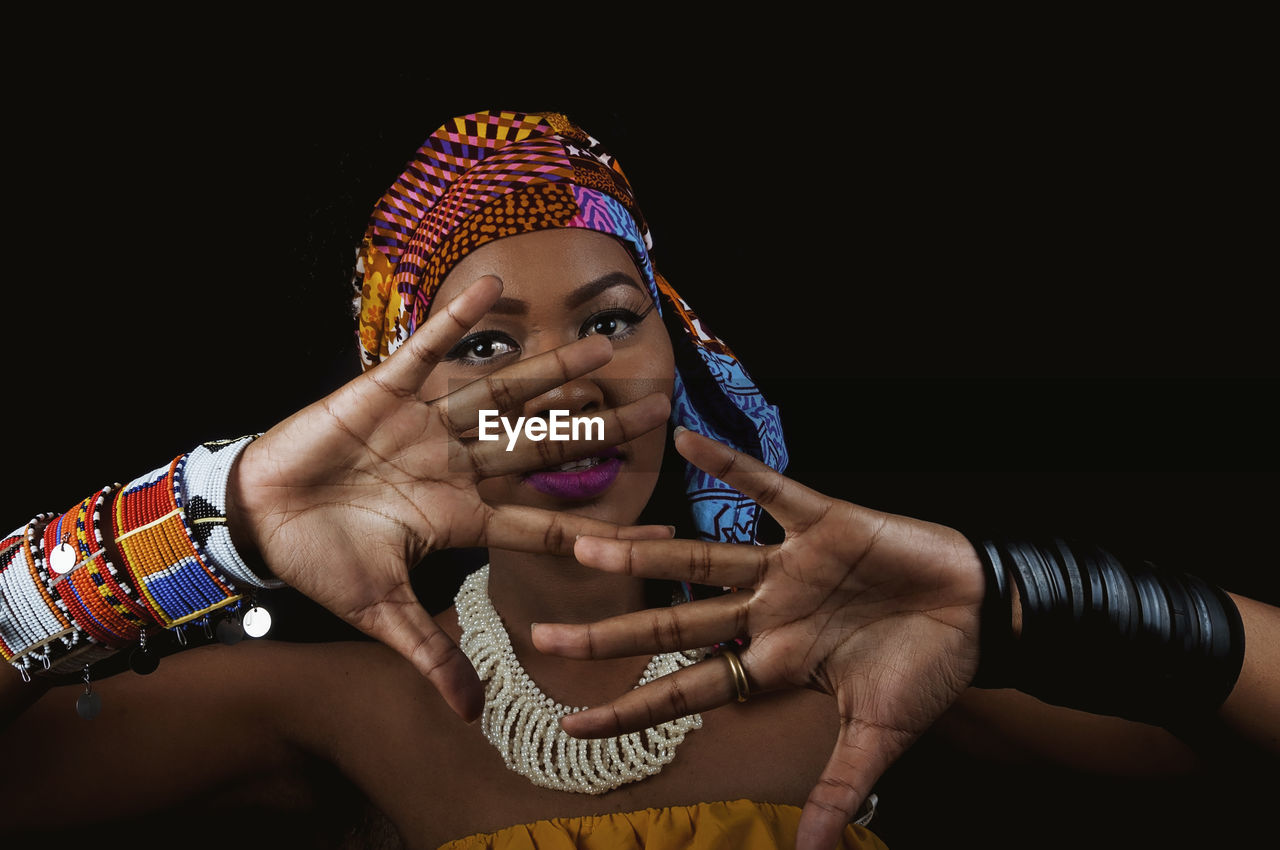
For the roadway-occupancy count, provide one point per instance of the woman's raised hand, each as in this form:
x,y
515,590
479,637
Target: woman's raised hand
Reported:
x,y
344,497
878,610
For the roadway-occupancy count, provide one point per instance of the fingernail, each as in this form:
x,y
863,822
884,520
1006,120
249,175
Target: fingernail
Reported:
x,y
679,428
672,529
532,626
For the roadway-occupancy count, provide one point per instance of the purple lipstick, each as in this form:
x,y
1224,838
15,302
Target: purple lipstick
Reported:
x,y
577,480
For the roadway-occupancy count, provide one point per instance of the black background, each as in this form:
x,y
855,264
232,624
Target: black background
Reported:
x,y
1007,287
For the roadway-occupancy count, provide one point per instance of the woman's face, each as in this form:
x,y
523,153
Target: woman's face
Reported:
x,y
560,285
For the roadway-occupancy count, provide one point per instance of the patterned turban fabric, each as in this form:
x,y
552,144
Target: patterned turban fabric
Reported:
x,y
488,175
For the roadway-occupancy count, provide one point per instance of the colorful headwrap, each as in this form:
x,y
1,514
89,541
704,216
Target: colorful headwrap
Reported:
x,y
493,174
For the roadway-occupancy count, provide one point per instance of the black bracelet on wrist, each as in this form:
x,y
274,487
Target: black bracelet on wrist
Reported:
x,y
1124,639
995,626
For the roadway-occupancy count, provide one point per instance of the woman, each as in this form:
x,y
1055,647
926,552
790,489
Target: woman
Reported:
x,y
526,253
292,515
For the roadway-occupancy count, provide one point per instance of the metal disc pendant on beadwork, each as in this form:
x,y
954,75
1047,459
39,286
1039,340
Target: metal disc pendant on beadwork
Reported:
x,y
143,661
257,621
62,558
88,705
230,632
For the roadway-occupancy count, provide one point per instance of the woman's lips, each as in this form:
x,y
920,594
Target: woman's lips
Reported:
x,y
578,479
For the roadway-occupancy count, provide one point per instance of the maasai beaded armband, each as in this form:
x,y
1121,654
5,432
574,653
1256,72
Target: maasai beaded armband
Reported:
x,y
65,567
64,605
176,585
69,581
24,627
35,624
145,597
202,492
57,557
99,581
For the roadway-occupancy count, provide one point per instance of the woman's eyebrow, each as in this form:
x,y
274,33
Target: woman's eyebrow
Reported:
x,y
587,291
509,307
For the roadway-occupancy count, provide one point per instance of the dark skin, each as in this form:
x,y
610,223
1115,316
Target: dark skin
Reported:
x,y
279,710
361,484
881,612
260,717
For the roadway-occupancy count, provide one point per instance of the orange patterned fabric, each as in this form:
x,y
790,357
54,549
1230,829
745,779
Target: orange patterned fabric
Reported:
x,y
379,301
733,825
490,175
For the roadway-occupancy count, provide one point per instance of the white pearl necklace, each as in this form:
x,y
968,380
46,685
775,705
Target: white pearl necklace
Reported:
x,y
524,723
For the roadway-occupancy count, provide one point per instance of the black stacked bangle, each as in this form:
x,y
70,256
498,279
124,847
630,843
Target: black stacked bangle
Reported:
x,y
1130,640
995,626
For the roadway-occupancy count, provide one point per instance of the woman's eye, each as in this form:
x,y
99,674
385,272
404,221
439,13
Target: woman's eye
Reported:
x,y
481,348
611,323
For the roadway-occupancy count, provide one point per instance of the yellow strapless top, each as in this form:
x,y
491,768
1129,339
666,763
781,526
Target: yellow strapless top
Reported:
x,y
735,825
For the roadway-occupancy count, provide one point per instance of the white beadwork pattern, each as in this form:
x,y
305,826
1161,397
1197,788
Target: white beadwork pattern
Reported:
x,y
28,627
207,469
524,723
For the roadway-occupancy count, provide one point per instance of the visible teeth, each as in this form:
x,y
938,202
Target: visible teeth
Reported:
x,y
577,465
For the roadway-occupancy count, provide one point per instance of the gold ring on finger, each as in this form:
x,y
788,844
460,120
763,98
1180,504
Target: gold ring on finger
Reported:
x,y
740,686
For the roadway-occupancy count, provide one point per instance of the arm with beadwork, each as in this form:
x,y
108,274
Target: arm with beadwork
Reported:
x,y
339,502
895,617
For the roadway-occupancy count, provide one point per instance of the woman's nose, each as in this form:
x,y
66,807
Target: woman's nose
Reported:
x,y
578,396
583,394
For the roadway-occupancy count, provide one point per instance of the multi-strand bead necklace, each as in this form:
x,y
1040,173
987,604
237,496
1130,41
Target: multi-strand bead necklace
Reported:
x,y
523,723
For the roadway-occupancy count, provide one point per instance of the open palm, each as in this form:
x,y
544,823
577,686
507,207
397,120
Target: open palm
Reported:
x,y
343,498
878,610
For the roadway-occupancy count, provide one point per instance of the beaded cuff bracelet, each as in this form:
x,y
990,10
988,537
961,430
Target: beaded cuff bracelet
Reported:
x,y
64,604
57,555
15,627
34,625
156,546
203,493
126,613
